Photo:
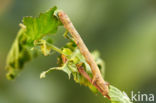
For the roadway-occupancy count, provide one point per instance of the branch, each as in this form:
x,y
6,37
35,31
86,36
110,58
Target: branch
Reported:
x,y
85,75
97,77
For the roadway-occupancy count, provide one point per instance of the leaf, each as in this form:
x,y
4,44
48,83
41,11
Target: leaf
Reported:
x,y
99,62
18,55
43,46
63,68
117,96
37,27
32,29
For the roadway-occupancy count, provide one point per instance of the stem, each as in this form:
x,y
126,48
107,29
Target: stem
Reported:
x,y
85,75
97,77
55,48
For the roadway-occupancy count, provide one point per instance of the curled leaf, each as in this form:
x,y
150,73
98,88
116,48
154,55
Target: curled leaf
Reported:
x,y
63,68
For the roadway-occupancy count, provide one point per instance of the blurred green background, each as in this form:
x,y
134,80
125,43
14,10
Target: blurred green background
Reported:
x,y
124,31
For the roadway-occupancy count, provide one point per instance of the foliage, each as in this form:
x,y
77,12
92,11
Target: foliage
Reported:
x,y
33,29
73,57
32,35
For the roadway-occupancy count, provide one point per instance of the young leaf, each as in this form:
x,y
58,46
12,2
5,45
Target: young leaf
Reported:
x,y
117,96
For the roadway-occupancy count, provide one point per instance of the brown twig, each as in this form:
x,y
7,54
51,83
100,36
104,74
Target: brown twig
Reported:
x,y
97,77
85,75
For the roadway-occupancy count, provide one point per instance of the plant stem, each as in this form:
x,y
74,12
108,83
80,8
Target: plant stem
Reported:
x,y
55,48
85,75
97,77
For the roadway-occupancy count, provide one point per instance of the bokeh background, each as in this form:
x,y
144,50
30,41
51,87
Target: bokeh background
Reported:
x,y
124,31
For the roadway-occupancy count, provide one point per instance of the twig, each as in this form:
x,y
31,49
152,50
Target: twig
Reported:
x,y
97,77
85,75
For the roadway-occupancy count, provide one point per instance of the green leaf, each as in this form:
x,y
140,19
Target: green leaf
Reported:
x,y
43,46
33,29
117,96
100,62
63,68
37,27
18,55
